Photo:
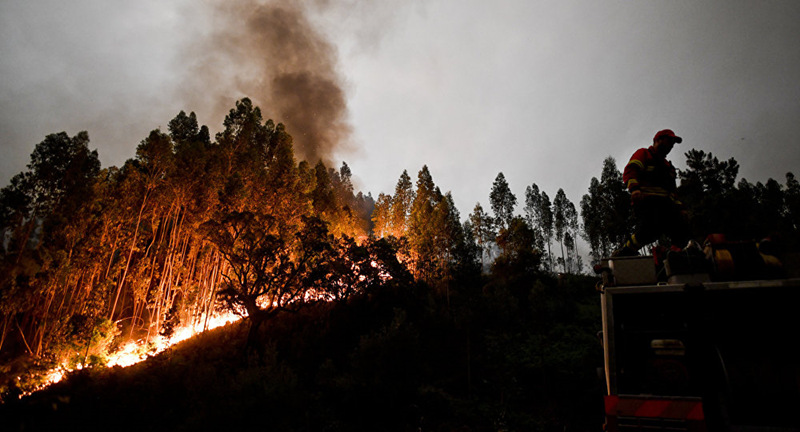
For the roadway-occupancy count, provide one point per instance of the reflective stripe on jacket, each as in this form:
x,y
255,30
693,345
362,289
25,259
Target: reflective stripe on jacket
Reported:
x,y
651,174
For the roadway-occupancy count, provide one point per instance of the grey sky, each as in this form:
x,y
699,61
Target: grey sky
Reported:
x,y
543,91
540,90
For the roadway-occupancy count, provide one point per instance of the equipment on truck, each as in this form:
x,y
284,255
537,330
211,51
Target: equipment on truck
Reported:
x,y
701,341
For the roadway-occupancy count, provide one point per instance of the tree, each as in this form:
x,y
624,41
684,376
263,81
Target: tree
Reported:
x,y
573,261
45,216
771,200
565,219
15,207
450,243
58,182
346,220
263,223
707,186
83,245
605,211
345,182
154,158
348,268
792,197
502,202
708,175
591,212
381,216
518,253
539,214
245,140
61,166
364,207
268,271
323,197
421,232
617,216
401,205
193,172
482,228
436,241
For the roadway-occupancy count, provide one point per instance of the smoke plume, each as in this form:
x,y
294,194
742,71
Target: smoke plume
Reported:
x,y
271,53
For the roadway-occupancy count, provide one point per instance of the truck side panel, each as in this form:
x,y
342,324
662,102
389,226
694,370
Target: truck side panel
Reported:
x,y
731,344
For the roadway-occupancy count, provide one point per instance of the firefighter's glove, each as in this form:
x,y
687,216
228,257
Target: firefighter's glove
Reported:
x,y
636,196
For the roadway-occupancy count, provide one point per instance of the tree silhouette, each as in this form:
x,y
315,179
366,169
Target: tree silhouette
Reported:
x,y
539,214
268,271
502,202
792,200
707,187
482,228
565,219
518,254
605,211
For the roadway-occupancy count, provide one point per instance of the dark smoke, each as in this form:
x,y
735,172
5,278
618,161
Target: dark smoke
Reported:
x,y
271,53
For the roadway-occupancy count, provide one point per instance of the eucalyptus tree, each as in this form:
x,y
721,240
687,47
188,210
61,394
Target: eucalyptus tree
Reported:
x,y
146,179
381,216
263,224
401,205
605,211
57,183
518,256
502,202
539,214
565,219
482,227
421,231
706,185
322,196
793,202
448,240
44,215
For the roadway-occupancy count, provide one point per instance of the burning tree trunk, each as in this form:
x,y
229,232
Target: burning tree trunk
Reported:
x,y
130,255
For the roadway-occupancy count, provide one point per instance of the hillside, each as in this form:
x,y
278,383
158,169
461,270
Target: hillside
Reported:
x,y
514,356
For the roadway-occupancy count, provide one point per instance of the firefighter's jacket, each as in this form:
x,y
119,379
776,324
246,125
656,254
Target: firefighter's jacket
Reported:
x,y
651,174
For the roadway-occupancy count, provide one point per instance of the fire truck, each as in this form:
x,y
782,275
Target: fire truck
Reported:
x,y
701,340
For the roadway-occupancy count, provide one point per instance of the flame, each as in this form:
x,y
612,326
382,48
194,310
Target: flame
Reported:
x,y
136,351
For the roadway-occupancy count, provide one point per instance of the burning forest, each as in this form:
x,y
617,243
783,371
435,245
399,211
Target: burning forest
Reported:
x,y
312,304
106,267
184,232
392,300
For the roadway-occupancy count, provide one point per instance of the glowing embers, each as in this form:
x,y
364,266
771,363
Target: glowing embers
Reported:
x,y
136,351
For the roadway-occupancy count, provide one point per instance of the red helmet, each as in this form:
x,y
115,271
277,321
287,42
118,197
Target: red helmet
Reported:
x,y
667,133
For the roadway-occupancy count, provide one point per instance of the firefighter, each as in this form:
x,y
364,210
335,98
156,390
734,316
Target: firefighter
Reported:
x,y
650,178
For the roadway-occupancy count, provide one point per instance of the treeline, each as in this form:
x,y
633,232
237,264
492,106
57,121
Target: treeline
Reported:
x,y
92,256
715,202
